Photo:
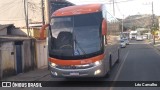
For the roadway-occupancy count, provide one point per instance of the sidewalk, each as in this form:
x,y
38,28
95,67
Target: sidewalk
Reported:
x,y
156,45
33,75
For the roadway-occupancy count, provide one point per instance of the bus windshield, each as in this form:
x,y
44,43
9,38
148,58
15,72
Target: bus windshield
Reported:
x,y
75,36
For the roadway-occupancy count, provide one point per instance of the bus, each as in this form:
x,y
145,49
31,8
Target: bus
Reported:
x,y
82,41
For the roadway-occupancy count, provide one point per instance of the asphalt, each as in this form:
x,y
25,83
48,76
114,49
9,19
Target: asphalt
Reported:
x,y
141,64
139,61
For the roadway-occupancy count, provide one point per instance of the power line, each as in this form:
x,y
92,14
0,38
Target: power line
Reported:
x,y
8,7
26,14
124,1
118,9
8,3
113,8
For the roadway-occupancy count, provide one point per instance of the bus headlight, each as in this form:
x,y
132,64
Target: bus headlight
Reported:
x,y
97,62
53,64
97,72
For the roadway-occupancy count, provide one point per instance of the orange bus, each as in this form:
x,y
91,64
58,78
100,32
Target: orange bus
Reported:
x,y
80,44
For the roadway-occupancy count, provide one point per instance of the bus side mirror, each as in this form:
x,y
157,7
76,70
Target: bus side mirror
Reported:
x,y
104,27
42,31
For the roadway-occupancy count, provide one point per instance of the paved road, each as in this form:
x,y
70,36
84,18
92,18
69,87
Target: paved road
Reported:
x,y
138,62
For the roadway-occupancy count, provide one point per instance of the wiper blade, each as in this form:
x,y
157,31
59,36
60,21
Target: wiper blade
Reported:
x,y
77,44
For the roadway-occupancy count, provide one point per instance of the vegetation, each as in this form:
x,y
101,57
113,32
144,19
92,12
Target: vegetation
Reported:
x,y
140,21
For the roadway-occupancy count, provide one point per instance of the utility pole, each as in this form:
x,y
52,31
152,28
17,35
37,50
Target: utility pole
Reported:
x,y
153,25
113,8
122,24
152,21
152,15
47,20
47,13
26,14
42,5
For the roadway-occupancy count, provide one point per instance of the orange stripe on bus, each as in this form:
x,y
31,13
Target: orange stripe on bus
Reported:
x,y
78,9
76,62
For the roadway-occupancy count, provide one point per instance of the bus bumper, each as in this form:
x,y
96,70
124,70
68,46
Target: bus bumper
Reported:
x,y
95,71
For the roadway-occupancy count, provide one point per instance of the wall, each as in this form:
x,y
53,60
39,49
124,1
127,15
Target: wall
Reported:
x,y
33,32
27,57
41,54
0,63
7,59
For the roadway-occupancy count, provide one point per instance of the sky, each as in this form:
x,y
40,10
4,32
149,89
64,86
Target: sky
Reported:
x,y
12,12
124,8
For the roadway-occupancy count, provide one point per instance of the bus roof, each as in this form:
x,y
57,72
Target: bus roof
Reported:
x,y
76,10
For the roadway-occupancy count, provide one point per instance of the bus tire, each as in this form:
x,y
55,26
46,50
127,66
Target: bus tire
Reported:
x,y
110,67
108,74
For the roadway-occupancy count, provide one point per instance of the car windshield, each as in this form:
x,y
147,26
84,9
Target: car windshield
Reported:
x,y
75,35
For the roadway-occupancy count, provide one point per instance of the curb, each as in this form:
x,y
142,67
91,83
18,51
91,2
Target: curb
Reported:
x,y
158,49
28,76
150,43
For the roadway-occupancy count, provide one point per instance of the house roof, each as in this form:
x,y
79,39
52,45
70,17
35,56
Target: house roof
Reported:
x,y
9,38
5,26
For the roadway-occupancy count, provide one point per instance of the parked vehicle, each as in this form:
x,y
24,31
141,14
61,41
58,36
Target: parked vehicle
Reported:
x,y
139,38
145,37
125,37
126,40
122,43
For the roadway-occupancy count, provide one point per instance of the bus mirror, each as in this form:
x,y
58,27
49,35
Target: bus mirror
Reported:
x,y
104,27
42,31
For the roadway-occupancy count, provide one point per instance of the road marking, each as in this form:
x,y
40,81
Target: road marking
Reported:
x,y
119,70
120,67
137,43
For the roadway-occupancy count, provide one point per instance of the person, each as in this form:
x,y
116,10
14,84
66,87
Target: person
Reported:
x,y
64,42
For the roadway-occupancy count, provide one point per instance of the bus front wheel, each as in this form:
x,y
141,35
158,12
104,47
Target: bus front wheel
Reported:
x,y
110,67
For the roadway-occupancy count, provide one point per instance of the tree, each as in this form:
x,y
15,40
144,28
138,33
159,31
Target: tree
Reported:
x,y
154,29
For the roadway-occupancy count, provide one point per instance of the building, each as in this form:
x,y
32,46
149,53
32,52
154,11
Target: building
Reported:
x,y
6,29
18,52
16,55
13,11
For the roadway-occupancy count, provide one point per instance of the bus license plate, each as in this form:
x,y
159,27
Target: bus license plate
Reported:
x,y
74,73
